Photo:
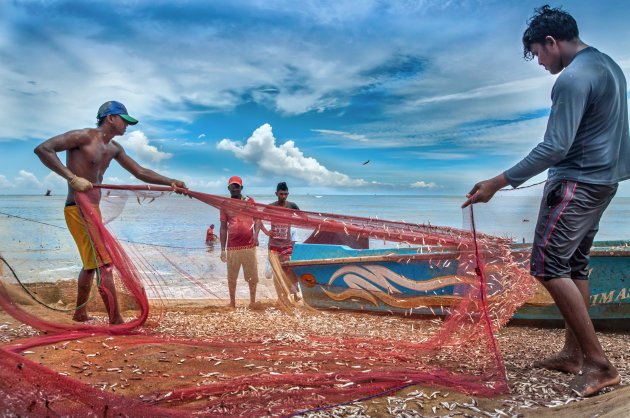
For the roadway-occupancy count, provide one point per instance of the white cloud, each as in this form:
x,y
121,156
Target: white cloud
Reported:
x,y
197,184
138,142
348,135
54,181
515,139
262,151
4,183
423,185
191,144
284,64
27,182
113,180
517,87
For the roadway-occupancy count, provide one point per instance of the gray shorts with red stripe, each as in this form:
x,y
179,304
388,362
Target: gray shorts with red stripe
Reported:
x,y
568,220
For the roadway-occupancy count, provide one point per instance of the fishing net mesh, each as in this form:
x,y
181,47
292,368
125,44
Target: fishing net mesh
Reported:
x,y
436,296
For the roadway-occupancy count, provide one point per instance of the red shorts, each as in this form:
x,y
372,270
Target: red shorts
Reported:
x,y
283,252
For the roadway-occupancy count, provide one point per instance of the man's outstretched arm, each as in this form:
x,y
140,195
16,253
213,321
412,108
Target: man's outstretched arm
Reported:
x,y
145,174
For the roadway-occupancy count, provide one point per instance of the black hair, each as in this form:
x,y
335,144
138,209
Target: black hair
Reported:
x,y
548,22
100,119
282,186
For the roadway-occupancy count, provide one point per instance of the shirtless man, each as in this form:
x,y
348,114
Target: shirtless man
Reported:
x,y
587,151
88,154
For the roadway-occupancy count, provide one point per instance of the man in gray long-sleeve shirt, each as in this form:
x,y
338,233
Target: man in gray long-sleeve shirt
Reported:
x,y
587,151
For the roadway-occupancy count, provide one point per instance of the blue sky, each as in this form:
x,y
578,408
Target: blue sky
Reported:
x,y
435,94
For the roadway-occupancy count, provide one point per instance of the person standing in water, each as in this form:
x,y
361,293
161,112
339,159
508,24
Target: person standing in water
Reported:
x,y
210,237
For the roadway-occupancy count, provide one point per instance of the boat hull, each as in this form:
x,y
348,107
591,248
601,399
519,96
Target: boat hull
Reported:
x,y
407,282
398,281
609,281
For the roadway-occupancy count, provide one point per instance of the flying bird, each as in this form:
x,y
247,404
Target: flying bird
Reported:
x,y
366,162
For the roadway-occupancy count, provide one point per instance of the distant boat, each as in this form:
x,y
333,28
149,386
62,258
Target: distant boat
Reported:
x,y
318,196
47,193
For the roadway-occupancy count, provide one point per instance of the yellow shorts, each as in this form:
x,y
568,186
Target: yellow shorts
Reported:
x,y
79,232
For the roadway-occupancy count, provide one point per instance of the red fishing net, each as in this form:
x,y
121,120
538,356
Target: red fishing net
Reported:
x,y
394,304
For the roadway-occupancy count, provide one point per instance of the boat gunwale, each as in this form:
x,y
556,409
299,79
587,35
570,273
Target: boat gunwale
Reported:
x,y
396,258
446,252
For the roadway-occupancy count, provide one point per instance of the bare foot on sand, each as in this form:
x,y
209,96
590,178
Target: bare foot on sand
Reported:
x,y
561,362
117,321
255,306
592,379
81,317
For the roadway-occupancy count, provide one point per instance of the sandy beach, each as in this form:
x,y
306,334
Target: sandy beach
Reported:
x,y
146,369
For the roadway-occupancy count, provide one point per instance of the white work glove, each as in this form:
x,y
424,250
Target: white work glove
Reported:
x,y
80,184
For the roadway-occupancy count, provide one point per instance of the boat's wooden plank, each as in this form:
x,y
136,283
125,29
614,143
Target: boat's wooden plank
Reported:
x,y
609,281
390,258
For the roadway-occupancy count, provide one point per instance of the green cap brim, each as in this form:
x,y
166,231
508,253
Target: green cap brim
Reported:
x,y
129,119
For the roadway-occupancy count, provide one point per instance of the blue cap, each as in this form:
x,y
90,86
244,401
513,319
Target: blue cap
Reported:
x,y
115,108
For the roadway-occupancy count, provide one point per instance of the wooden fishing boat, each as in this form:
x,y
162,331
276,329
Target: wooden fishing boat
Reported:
x,y
609,279
407,281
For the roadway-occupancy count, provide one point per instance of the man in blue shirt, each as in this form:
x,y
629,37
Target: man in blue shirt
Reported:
x,y
586,148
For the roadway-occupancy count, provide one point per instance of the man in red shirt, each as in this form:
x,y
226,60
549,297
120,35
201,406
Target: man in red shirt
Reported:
x,y
240,233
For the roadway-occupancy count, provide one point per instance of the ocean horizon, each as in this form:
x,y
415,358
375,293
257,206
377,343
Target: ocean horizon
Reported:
x,y
506,215
39,245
